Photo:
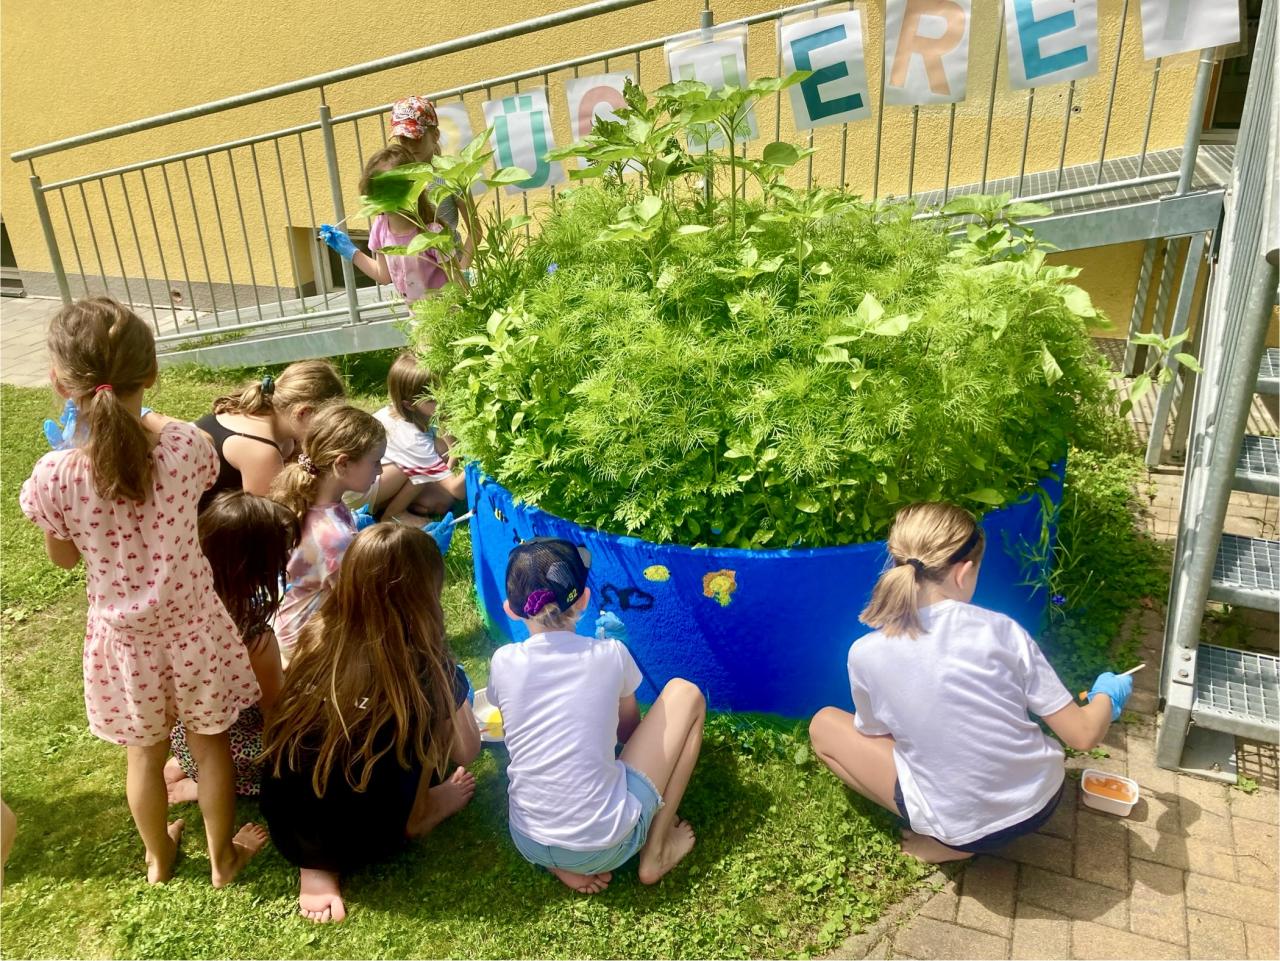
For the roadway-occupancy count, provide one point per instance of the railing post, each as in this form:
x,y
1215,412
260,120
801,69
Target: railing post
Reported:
x,y
339,210
1195,121
50,238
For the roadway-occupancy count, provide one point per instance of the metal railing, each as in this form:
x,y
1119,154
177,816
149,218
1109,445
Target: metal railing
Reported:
x,y
219,241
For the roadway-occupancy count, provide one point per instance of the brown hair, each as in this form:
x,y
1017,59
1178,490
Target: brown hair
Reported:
x,y
926,540
374,656
101,349
336,430
247,540
314,382
394,155
407,383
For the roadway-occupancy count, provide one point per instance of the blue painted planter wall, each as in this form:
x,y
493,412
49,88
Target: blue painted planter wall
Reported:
x,y
780,642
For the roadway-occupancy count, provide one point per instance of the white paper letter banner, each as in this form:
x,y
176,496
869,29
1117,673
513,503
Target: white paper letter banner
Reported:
x,y
926,45
720,61
1176,26
1051,40
522,136
594,98
830,47
455,132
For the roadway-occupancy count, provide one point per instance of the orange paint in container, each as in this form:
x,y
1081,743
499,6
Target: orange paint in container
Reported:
x,y
1111,787
1108,792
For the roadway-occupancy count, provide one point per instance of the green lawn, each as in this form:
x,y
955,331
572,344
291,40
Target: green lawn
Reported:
x,y
788,862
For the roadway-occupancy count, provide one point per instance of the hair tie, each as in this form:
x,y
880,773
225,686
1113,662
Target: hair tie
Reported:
x,y
917,564
308,465
537,600
268,385
101,387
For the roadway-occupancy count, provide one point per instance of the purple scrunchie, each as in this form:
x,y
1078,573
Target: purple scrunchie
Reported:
x,y
537,601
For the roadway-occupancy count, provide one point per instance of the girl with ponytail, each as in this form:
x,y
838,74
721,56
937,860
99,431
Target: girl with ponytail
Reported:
x,y
159,646
342,453
943,691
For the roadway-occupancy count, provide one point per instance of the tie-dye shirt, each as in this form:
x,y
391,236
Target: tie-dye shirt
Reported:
x,y
327,531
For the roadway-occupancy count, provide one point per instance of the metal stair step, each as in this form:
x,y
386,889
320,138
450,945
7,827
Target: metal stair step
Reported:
x,y
1237,692
1258,469
1269,372
1247,572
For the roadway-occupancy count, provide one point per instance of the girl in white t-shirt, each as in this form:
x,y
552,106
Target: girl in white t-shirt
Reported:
x,y
566,702
943,692
417,469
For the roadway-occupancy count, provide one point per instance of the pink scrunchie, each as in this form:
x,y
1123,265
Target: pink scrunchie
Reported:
x,y
537,601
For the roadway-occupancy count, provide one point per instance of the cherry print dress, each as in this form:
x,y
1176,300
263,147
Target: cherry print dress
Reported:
x,y
159,646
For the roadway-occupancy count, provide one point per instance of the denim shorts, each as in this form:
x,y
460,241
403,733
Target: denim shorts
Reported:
x,y
992,842
594,862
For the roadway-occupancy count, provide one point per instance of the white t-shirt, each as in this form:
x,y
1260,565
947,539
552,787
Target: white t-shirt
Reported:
x,y
955,700
412,450
558,693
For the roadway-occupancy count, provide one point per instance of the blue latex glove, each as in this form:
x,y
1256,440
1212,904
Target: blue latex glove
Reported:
x,y
442,532
61,433
1115,687
609,625
364,518
338,241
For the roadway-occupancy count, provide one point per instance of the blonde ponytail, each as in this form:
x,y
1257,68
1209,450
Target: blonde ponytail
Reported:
x,y
308,382
101,349
335,430
926,540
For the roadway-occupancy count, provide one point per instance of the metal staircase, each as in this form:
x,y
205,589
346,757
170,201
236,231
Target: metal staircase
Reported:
x,y
1213,694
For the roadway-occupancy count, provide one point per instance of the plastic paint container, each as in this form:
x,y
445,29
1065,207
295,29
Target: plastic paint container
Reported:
x,y
488,718
1108,792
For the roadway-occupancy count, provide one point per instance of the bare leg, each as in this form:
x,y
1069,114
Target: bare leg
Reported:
x,y
930,850
665,747
179,787
149,805
217,796
320,896
395,492
433,804
440,496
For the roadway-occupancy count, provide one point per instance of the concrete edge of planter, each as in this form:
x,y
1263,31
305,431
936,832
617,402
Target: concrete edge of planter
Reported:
x,y
858,946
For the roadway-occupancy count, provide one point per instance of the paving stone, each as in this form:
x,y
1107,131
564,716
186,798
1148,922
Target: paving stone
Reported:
x,y
987,896
1262,942
1157,908
1232,900
880,951
1063,822
1114,764
1040,933
1158,809
942,906
1213,936
1143,702
1262,805
1090,940
1102,849
926,938
1211,796
1204,825
1042,851
1078,899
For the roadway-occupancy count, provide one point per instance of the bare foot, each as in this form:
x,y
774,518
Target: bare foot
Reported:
x,y
657,859
584,883
930,850
247,842
160,868
320,896
182,791
443,800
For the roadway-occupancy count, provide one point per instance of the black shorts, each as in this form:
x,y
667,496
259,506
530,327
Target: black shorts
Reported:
x,y
992,842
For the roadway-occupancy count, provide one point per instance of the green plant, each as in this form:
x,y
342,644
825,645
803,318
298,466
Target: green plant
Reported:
x,y
1245,785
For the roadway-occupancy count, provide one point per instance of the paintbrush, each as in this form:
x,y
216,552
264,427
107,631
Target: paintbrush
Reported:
x,y
1084,695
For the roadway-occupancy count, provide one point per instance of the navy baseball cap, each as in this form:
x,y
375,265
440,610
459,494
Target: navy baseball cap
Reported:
x,y
545,570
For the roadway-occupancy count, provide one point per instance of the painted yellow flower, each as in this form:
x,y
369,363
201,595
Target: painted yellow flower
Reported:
x,y
656,572
720,585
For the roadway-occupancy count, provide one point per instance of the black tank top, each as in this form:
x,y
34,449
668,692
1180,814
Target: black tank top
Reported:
x,y
229,478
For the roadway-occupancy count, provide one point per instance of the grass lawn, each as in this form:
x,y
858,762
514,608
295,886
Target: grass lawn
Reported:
x,y
788,862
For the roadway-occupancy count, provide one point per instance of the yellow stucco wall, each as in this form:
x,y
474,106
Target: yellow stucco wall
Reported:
x,y
68,69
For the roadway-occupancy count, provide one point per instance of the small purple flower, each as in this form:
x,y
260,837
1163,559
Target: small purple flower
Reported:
x,y
1058,600
552,268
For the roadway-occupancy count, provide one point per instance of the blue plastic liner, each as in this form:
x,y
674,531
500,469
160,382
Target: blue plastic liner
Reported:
x,y
756,630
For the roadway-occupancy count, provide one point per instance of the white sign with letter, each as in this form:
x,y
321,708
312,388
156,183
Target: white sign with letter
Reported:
x,y
926,47
831,48
1050,41
522,136
1176,26
718,61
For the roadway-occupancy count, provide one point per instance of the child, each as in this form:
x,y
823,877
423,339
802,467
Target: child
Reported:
x,y
342,452
256,431
943,691
416,472
373,709
159,646
248,584
566,702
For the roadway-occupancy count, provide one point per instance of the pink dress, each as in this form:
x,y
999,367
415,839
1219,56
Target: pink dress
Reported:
x,y
413,277
159,646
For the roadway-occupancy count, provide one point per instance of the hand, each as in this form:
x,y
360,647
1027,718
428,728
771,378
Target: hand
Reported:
x,y
61,433
1116,687
338,241
442,532
609,625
